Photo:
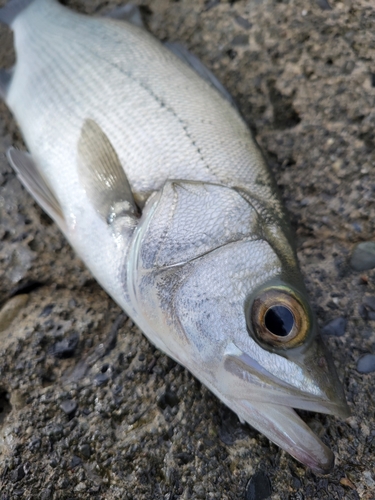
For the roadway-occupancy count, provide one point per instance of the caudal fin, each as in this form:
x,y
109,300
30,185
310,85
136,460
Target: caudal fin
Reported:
x,y
11,10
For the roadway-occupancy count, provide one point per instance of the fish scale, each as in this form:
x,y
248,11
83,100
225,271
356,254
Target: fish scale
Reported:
x,y
157,183
167,144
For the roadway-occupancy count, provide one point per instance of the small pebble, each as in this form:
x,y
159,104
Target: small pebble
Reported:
x,y
241,39
369,302
363,256
244,23
85,450
66,347
11,309
335,328
75,461
101,378
366,364
34,444
47,311
18,474
259,487
54,431
323,4
68,406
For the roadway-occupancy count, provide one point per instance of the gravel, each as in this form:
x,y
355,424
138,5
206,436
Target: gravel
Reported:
x,y
302,75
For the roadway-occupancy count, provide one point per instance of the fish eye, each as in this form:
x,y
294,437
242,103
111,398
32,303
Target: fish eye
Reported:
x,y
279,318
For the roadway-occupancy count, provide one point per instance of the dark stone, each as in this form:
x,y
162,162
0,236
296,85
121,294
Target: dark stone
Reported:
x,y
69,406
47,310
75,462
85,450
244,23
259,487
54,431
34,444
366,364
335,328
66,347
241,39
363,256
323,4
18,473
369,302
101,378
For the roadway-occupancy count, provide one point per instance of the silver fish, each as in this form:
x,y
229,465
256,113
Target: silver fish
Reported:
x,y
146,165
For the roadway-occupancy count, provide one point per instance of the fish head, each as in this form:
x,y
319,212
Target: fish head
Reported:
x,y
216,285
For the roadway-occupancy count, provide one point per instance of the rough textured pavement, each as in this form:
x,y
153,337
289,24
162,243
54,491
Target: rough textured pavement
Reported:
x,y
88,408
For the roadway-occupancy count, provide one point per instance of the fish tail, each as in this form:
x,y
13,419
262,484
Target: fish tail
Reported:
x,y
11,10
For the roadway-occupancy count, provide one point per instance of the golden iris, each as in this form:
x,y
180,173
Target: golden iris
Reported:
x,y
279,318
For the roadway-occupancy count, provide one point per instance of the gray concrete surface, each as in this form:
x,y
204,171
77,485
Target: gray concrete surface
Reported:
x,y
89,409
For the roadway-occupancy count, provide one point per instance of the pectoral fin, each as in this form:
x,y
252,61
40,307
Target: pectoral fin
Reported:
x,y
30,176
102,175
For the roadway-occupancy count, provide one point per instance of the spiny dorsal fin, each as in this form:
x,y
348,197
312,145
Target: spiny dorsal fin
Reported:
x,y
11,10
102,175
5,79
129,12
30,176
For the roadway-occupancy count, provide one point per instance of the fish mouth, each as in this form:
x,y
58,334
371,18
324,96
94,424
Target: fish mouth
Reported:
x,y
266,402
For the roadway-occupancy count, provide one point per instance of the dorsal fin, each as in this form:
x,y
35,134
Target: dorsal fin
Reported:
x,y
187,57
129,12
5,79
11,10
102,175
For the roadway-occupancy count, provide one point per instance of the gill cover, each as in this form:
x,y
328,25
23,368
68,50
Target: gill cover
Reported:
x,y
211,291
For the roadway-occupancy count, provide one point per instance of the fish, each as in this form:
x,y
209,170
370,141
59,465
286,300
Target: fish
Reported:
x,y
143,160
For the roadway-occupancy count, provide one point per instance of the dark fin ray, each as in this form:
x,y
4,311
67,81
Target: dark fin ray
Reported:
x,y
11,10
102,175
182,53
5,80
30,176
129,12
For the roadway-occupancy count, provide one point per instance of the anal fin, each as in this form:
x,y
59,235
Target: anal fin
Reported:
x,y
102,175
30,176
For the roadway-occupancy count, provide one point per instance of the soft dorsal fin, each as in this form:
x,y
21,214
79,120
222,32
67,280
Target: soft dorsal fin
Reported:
x,y
102,175
187,57
30,176
11,10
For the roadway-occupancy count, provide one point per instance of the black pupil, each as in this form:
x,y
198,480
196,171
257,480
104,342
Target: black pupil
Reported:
x,y
279,321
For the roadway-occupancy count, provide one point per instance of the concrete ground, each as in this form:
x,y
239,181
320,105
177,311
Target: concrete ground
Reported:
x,y
88,408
